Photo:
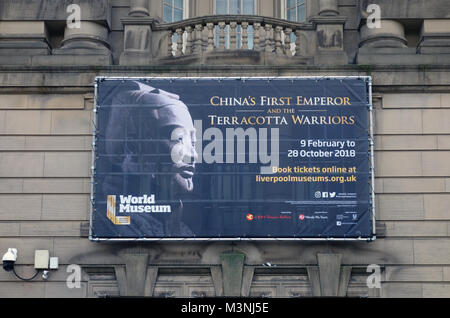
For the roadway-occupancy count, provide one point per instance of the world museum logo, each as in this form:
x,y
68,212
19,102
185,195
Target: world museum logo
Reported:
x,y
132,204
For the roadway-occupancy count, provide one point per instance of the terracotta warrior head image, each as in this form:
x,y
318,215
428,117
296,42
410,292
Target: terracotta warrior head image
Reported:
x,y
159,141
149,145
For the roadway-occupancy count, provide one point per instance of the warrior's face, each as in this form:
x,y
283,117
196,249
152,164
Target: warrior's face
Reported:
x,y
177,143
168,151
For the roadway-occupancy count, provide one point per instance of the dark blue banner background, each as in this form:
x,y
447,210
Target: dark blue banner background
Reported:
x,y
133,135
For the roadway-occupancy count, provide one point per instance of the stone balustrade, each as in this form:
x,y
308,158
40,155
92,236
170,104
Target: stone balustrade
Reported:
x,y
221,33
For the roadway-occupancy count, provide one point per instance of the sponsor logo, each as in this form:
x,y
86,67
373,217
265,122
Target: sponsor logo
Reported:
x,y
259,217
132,204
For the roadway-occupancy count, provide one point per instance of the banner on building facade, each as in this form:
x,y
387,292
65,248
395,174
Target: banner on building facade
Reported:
x,y
232,158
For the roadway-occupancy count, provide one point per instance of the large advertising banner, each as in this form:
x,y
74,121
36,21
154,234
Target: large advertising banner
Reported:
x,y
232,158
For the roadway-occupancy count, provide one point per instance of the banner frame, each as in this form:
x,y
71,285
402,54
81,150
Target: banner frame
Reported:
x,y
367,79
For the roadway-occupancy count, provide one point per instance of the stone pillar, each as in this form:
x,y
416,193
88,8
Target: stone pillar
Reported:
x,y
23,38
390,35
138,35
89,37
435,37
387,45
139,8
329,34
328,8
87,44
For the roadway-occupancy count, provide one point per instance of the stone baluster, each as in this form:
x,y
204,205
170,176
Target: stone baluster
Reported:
x,y
298,34
256,37
188,40
179,51
287,41
222,26
210,27
170,43
233,42
272,39
198,49
278,47
268,29
244,26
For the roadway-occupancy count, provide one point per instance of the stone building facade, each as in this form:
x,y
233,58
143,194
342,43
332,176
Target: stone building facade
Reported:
x,y
47,72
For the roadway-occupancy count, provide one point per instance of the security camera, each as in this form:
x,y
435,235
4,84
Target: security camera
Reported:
x,y
9,259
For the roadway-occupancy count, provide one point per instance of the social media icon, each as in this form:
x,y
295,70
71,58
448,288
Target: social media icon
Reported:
x,y
318,194
338,223
332,194
324,194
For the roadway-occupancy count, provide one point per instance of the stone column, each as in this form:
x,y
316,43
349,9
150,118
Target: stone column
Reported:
x,y
328,8
88,43
89,37
390,35
139,8
387,45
